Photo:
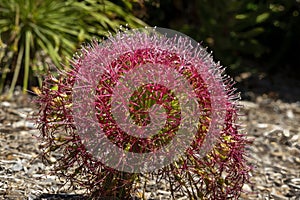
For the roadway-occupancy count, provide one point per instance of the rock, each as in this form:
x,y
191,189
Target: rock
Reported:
x,y
17,167
24,124
247,188
290,114
248,105
5,104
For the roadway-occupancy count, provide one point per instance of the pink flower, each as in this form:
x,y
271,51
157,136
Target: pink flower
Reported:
x,y
145,66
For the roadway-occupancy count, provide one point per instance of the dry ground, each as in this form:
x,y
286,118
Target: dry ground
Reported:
x,y
271,122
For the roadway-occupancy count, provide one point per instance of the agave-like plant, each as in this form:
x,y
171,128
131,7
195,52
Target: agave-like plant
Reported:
x,y
36,33
213,166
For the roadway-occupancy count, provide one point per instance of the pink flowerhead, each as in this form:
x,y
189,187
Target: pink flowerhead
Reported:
x,y
148,101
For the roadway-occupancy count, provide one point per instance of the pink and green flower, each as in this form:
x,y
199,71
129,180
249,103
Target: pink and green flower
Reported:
x,y
98,116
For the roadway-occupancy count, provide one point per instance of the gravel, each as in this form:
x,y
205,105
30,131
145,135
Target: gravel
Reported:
x,y
272,124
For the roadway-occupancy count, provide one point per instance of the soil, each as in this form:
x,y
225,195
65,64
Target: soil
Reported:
x,y
270,113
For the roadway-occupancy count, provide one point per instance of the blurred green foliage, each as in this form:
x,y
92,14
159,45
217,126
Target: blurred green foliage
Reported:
x,y
248,35
37,33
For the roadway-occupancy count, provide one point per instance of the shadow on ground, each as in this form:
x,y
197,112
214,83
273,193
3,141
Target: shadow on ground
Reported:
x,y
274,86
46,196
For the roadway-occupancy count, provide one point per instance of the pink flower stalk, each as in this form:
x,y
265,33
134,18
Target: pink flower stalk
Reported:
x,y
213,166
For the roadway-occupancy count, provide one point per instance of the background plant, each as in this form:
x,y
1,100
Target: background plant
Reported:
x,y
37,33
241,33
218,175
251,36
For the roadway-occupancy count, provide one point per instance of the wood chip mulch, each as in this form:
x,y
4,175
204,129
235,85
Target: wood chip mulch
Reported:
x,y
275,153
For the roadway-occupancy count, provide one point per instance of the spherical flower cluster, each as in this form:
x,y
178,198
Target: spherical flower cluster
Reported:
x,y
97,114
